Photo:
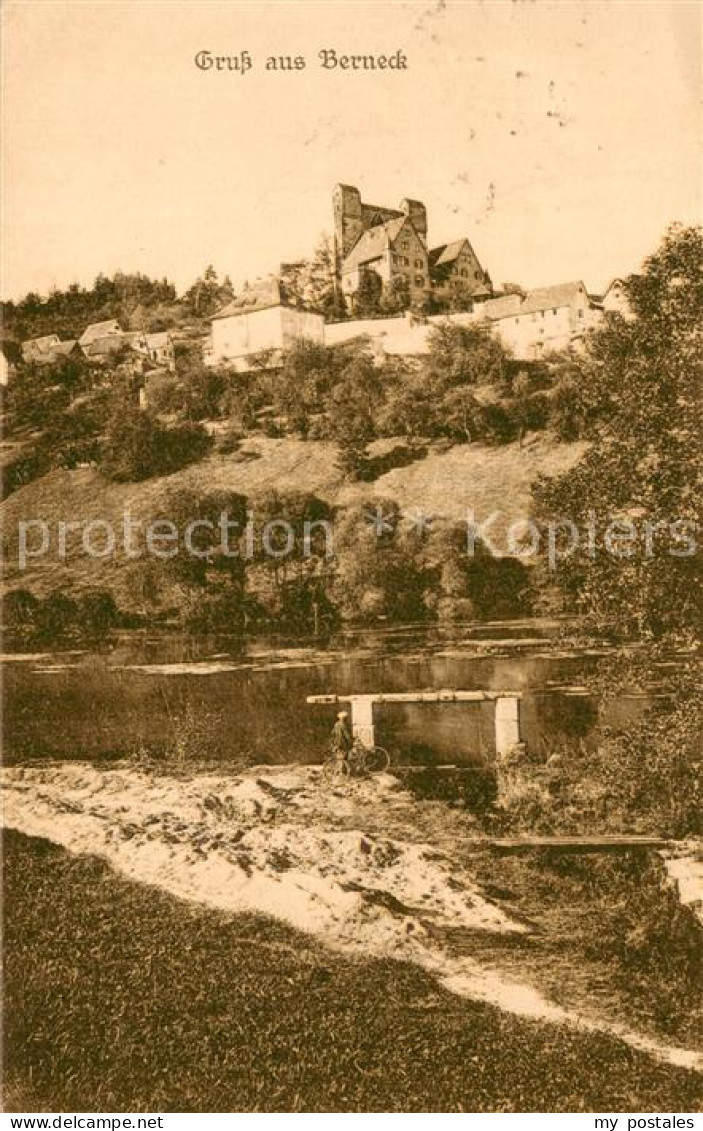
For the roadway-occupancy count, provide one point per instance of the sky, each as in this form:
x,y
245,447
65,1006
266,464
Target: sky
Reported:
x,y
560,137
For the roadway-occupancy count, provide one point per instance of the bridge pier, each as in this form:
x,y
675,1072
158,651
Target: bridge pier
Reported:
x,y
362,720
507,724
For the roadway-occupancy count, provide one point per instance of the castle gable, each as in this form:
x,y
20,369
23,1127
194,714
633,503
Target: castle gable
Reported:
x,y
374,243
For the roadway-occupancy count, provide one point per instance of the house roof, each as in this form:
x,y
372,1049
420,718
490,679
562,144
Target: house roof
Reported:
x,y
260,295
101,347
63,349
43,351
541,298
158,340
502,307
34,347
100,330
373,242
544,298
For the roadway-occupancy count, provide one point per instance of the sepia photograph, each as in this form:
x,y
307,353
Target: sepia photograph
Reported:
x,y
351,395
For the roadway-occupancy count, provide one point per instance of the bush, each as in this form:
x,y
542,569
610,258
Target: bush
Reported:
x,y
647,934
20,613
58,617
98,612
472,786
138,446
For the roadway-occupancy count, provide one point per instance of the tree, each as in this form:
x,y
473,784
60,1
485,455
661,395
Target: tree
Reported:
x,y
640,387
304,384
466,355
460,296
367,300
379,573
352,413
137,445
311,283
290,572
396,296
640,384
208,294
207,573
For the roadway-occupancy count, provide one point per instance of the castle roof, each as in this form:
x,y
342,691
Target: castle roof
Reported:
x,y
446,253
374,242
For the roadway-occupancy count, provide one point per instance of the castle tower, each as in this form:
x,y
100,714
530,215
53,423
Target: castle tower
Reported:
x,y
348,218
417,212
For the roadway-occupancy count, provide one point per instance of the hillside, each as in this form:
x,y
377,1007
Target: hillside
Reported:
x,y
445,484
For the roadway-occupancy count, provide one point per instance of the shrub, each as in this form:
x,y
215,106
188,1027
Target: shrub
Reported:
x,y
138,446
473,786
59,617
98,612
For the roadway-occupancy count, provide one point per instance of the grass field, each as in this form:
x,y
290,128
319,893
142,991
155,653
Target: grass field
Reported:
x,y
448,484
119,997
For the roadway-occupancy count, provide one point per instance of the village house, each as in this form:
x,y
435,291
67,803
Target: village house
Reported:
x,y
161,350
156,349
47,350
615,300
259,325
102,341
541,320
37,349
99,331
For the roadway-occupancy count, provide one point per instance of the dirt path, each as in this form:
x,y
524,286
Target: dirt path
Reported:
x,y
364,867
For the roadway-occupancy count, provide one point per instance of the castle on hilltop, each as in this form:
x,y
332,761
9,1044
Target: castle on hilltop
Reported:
x,y
386,250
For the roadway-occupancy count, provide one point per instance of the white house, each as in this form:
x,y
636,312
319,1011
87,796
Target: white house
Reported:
x,y
260,324
615,299
544,319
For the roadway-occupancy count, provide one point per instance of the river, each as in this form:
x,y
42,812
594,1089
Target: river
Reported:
x,y
223,698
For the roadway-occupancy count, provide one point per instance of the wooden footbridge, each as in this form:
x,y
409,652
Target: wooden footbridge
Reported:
x,y
580,844
507,710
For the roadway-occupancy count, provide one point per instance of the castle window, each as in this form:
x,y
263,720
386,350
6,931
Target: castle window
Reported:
x,y
419,281
463,273
477,274
406,261
555,310
418,263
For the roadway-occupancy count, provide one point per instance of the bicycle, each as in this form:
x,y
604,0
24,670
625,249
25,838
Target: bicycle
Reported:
x,y
360,761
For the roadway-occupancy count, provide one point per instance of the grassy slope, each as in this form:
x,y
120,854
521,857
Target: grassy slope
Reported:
x,y
468,477
120,998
